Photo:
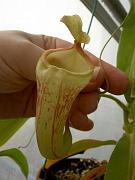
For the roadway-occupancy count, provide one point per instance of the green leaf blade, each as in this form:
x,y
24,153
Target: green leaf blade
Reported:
x,y
17,156
118,167
8,128
126,51
83,145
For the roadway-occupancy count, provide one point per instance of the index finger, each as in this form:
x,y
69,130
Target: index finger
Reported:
x,y
117,80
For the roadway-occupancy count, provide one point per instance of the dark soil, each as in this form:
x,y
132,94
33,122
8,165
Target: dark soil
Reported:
x,y
70,169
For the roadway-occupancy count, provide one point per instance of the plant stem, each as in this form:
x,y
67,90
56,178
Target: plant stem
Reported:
x,y
126,126
132,165
109,40
100,61
120,103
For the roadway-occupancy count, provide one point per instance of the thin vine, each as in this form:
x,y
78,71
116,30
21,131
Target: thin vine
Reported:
x,y
91,20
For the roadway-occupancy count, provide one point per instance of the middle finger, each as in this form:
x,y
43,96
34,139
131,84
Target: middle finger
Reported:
x,y
87,102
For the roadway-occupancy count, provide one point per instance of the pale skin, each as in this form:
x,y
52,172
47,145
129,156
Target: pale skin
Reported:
x,y
19,53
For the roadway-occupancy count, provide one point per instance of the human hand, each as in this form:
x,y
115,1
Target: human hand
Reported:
x,y
19,53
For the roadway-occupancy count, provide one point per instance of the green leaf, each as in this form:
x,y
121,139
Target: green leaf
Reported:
x,y
85,144
8,127
126,51
19,158
119,164
74,24
132,2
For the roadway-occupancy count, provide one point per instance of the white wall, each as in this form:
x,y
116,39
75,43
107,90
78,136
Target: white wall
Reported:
x,y
42,16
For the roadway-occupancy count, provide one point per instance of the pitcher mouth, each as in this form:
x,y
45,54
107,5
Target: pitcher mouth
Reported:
x,y
69,60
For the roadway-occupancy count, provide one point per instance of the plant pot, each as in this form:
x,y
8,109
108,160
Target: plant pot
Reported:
x,y
74,169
